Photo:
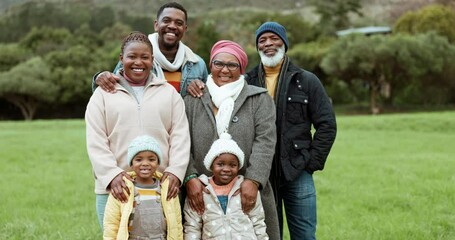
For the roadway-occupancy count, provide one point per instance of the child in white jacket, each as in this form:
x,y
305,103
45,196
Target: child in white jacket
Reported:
x,y
223,217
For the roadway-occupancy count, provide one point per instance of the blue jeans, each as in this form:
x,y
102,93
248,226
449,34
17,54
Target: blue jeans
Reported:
x,y
299,198
101,200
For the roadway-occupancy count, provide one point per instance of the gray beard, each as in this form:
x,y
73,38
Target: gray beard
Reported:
x,y
274,60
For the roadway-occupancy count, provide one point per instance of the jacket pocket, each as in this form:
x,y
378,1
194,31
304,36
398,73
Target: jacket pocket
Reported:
x,y
300,154
296,109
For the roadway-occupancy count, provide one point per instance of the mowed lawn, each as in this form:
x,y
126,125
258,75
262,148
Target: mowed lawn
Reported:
x,y
387,177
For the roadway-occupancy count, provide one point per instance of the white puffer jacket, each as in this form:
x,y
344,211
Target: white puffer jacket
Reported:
x,y
214,224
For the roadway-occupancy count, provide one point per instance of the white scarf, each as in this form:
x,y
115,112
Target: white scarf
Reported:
x,y
160,62
223,97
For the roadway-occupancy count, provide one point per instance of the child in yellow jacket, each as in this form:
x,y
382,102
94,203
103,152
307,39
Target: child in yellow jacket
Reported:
x,y
147,214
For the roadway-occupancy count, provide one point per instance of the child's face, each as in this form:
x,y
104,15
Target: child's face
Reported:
x,y
225,168
145,164
137,60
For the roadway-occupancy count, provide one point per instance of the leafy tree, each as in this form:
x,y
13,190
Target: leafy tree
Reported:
x,y
27,85
335,14
69,15
44,40
11,55
36,14
412,65
422,69
438,18
353,58
101,18
87,37
72,71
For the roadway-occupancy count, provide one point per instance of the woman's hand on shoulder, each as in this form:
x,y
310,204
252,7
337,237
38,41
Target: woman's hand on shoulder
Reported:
x,y
118,187
194,194
174,185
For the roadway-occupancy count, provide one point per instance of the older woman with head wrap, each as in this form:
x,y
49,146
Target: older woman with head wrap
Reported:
x,y
247,113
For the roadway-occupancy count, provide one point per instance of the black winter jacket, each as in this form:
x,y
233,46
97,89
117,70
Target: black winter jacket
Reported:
x,y
301,103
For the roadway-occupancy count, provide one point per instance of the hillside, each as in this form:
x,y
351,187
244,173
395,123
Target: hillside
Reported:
x,y
200,6
145,7
375,11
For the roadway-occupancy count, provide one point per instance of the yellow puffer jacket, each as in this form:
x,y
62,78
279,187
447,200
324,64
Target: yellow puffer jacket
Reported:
x,y
116,214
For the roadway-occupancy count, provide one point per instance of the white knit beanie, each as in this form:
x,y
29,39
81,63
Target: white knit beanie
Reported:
x,y
224,145
143,143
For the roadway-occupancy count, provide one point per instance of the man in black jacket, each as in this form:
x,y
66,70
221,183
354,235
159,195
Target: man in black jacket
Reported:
x,y
301,102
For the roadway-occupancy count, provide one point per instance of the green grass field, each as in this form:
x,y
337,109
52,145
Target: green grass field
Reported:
x,y
388,177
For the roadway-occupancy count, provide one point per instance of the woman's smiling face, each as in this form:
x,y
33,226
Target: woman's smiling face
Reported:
x,y
224,75
137,60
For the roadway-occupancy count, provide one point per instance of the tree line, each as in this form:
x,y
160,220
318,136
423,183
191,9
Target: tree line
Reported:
x,y
50,51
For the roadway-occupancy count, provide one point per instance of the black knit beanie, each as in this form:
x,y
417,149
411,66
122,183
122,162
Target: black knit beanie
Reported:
x,y
276,28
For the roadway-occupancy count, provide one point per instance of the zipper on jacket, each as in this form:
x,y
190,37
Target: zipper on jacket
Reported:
x,y
138,107
140,117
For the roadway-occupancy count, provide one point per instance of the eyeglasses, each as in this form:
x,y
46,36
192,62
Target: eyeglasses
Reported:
x,y
220,65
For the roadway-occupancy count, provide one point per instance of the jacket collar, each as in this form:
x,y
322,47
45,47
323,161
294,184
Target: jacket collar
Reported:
x,y
151,81
205,180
